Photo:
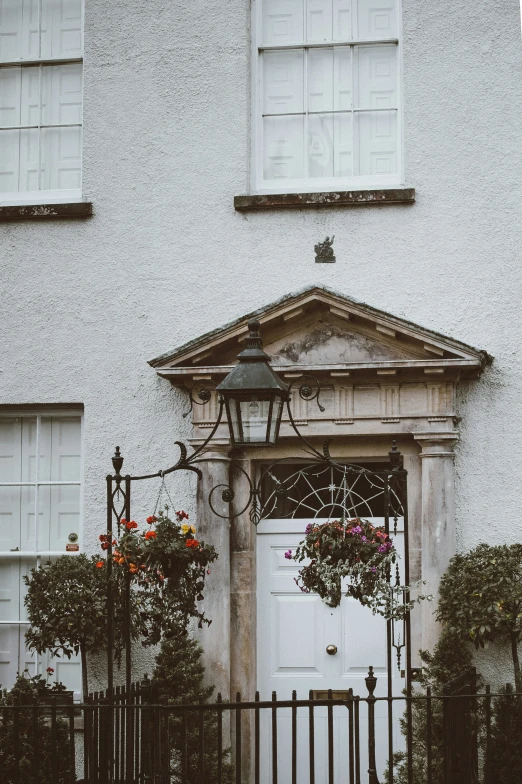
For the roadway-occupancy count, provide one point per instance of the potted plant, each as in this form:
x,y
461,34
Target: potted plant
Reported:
x,y
353,549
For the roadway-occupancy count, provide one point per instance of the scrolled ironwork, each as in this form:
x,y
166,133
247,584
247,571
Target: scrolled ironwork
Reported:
x,y
200,394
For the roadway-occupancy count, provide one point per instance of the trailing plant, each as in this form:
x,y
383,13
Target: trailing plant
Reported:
x,y
178,680
354,549
481,598
28,743
66,607
166,567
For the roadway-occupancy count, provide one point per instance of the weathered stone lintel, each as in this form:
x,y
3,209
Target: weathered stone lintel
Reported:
x,y
81,209
270,201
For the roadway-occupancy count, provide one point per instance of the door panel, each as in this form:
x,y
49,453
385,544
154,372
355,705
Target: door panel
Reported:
x,y
293,631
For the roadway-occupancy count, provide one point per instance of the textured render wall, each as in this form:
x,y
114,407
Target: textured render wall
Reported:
x,y
165,258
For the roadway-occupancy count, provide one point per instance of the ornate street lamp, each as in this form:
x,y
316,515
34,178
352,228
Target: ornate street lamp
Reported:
x,y
253,395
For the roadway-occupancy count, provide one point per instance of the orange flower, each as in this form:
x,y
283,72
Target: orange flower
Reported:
x,y
192,543
150,535
133,568
130,525
100,564
152,519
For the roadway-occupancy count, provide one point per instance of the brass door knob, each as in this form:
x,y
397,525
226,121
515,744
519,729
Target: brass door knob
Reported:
x,y
331,650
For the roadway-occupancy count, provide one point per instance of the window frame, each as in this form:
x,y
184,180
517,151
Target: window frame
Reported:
x,y
33,558
313,184
49,196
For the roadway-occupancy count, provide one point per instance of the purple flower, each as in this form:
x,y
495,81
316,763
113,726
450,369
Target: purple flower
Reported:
x,y
383,548
288,554
364,539
357,529
309,528
374,569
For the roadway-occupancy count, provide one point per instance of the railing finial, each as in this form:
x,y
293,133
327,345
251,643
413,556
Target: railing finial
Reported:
x,y
117,461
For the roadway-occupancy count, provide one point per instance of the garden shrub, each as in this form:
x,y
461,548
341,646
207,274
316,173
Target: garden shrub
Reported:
x,y
451,657
178,680
26,748
504,750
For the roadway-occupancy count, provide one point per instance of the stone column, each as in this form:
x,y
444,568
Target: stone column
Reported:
x,y
243,605
438,520
215,530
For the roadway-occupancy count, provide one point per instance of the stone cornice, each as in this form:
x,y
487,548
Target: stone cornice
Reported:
x,y
422,343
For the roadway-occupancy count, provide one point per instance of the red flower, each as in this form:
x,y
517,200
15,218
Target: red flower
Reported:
x,y
123,521
50,670
131,525
104,538
182,516
192,543
105,546
150,535
100,564
152,519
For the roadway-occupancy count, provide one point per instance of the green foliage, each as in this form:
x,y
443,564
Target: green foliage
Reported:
x,y
481,597
451,657
504,750
66,607
178,680
26,748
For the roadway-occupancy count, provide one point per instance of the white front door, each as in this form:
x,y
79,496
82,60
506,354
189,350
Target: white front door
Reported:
x,y
293,632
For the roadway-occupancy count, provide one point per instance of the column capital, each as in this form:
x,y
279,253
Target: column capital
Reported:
x,y
216,452
437,444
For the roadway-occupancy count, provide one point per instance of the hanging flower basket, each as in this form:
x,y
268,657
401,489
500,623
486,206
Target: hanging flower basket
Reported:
x,y
357,551
164,563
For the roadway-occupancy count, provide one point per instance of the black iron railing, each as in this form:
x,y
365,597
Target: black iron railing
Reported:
x,y
458,737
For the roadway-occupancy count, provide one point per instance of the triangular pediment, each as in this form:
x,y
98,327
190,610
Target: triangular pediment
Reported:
x,y
320,331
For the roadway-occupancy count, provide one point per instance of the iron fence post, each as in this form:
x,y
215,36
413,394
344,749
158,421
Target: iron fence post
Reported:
x,y
371,683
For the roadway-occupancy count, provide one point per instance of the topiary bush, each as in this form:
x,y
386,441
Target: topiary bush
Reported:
x,y
66,607
480,598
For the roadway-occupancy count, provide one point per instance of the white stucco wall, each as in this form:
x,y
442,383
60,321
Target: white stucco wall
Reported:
x,y
166,258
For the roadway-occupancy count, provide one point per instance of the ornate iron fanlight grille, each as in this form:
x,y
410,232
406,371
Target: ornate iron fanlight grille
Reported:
x,y
328,491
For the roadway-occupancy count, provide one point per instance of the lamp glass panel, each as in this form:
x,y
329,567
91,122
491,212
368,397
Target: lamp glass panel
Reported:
x,y
254,416
233,412
277,411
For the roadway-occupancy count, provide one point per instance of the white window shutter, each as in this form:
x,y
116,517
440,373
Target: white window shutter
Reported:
x,y
61,28
377,19
11,27
283,21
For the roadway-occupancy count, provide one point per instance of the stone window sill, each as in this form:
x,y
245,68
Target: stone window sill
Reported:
x,y
82,209
271,201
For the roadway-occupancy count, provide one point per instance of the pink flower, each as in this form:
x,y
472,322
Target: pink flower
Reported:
x,y
288,555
